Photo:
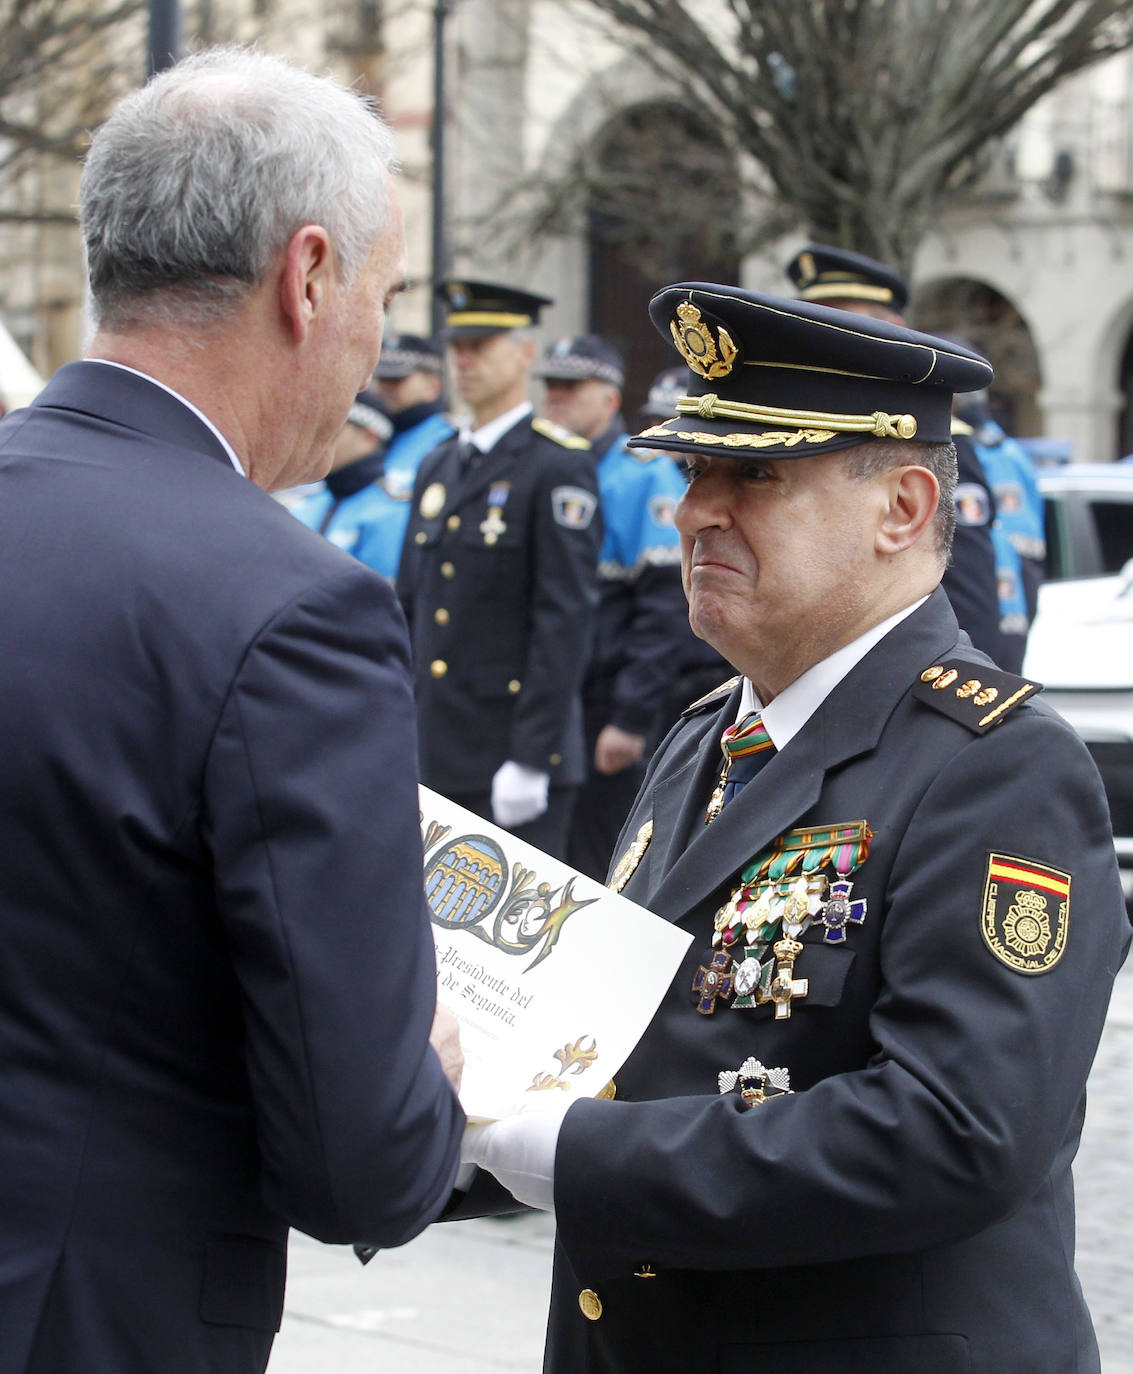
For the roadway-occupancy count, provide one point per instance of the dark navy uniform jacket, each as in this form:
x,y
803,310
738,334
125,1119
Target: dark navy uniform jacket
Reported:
x,y
498,583
908,1206
216,967
643,615
971,580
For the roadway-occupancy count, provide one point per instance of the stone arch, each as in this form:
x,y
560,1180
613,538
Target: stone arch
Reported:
x,y
664,206
1114,364
975,310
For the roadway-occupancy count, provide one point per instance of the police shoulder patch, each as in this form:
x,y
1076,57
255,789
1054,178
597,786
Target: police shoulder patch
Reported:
x,y
573,507
710,697
1025,919
549,430
976,694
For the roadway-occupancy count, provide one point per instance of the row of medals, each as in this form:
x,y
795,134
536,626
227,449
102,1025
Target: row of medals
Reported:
x,y
757,911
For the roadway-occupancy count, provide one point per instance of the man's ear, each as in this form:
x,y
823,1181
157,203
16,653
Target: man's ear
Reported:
x,y
913,494
308,262
527,350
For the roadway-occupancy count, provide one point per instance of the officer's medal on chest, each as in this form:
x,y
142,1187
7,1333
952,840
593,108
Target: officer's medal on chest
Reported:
x,y
492,526
802,879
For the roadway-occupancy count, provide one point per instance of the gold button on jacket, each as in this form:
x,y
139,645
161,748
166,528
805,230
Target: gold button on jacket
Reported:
x,y
591,1304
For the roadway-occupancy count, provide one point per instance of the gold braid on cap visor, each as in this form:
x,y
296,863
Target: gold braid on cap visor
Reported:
x,y
879,425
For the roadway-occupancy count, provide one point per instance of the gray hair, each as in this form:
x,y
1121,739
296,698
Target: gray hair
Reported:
x,y
199,179
870,459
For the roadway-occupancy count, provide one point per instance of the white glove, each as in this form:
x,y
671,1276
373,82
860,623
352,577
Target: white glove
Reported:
x,y
520,1151
519,794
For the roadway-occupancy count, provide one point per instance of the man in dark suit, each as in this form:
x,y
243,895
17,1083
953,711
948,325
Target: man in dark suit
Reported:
x,y
498,579
843,1143
216,973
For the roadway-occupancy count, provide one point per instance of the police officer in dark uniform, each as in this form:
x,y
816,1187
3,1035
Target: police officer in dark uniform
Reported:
x,y
696,667
844,1141
498,581
846,280
642,614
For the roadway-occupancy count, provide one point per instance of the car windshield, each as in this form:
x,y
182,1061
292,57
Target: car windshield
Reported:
x,y
1088,533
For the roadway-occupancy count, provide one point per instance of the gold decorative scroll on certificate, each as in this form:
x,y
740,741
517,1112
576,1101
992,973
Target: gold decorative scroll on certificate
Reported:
x,y
553,977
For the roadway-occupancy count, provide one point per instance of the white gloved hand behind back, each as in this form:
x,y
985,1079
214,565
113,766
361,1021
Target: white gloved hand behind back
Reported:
x,y
519,794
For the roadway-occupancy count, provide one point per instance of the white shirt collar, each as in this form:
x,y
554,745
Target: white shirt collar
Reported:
x,y
236,463
784,717
488,436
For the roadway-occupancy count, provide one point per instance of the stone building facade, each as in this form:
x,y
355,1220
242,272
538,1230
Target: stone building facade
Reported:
x,y
1034,262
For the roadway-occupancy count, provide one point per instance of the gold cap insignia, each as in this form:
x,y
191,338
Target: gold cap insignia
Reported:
x,y
710,353
806,269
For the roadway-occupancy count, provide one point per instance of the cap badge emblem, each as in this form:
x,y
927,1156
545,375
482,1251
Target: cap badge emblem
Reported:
x,y
806,269
708,356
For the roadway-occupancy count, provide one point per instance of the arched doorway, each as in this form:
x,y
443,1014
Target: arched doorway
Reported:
x,y
974,311
663,207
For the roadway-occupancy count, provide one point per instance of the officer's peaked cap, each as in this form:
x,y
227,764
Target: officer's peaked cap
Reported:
x,y
369,412
475,309
404,354
822,272
773,377
580,358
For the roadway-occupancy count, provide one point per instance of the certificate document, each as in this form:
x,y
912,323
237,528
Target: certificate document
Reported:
x,y
552,976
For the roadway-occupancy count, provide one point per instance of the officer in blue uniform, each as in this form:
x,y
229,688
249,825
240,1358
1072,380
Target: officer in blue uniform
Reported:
x,y
845,280
498,581
844,1141
1019,530
350,507
363,506
642,614
409,378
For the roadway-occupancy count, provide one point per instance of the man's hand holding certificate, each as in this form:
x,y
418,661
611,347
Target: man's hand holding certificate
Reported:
x,y
527,954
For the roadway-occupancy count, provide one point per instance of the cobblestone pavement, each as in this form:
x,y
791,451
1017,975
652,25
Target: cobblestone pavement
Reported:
x,y
471,1298
1103,1174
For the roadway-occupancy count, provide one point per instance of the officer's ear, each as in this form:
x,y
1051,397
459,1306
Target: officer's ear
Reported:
x,y
526,346
910,497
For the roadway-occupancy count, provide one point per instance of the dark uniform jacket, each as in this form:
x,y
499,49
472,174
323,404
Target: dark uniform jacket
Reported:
x,y
970,578
908,1206
216,968
498,581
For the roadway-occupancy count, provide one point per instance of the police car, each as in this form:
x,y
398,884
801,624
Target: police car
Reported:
x,y
1081,643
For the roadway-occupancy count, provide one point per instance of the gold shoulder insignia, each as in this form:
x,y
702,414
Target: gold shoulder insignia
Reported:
x,y
961,426
549,430
976,694
714,695
1025,919
627,864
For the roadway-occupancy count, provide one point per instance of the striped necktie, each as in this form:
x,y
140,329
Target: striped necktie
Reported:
x,y
746,747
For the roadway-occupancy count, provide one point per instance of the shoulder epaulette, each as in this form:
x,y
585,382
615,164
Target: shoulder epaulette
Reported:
x,y
976,694
961,427
709,697
549,430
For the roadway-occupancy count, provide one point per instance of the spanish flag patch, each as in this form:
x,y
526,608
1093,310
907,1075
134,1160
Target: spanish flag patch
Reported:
x,y
1026,913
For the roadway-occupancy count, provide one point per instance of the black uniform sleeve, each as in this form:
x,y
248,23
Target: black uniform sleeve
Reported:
x,y
970,580
564,603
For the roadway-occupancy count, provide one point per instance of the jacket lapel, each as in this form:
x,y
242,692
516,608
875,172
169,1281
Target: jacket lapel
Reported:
x,y
693,859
